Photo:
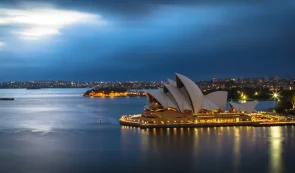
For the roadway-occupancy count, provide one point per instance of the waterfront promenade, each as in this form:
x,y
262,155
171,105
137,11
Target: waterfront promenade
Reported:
x,y
136,121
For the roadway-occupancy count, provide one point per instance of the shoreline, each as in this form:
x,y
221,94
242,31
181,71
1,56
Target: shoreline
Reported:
x,y
252,124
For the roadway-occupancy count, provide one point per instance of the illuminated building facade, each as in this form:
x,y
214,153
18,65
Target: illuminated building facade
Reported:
x,y
182,101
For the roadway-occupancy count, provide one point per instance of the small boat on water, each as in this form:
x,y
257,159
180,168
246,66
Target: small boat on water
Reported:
x,y
6,99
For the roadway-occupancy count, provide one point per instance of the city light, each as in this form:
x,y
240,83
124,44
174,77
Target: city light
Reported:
x,y
243,96
275,95
256,93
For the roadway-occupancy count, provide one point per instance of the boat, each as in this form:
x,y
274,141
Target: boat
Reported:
x,y
6,99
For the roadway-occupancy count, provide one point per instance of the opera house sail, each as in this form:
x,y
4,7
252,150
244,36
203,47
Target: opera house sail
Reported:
x,y
186,97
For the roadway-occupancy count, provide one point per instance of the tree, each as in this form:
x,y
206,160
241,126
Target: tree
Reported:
x,y
285,103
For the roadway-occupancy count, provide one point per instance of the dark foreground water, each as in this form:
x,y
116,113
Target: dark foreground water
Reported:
x,y
57,131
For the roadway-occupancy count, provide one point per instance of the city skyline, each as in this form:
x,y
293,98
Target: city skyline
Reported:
x,y
212,79
146,40
215,84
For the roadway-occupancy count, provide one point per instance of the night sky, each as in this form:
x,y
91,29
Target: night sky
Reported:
x,y
122,40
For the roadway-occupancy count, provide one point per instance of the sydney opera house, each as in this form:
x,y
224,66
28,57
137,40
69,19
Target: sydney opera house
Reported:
x,y
182,102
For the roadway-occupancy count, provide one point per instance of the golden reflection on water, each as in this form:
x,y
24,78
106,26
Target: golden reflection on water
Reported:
x,y
154,131
196,130
181,132
237,148
152,140
275,149
168,131
196,142
254,132
174,131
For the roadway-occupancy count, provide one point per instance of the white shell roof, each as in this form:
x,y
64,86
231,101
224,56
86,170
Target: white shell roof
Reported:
x,y
178,97
194,92
171,82
162,98
219,98
209,105
184,94
248,106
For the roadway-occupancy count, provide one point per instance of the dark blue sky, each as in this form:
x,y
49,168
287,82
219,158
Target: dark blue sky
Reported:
x,y
146,40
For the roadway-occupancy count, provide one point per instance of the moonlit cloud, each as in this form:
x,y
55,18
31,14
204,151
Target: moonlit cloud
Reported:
x,y
38,22
34,33
2,45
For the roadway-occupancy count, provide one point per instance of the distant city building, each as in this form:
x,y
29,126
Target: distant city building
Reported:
x,y
215,79
241,80
266,79
276,79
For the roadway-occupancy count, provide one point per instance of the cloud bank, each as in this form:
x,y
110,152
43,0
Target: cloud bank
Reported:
x,y
37,22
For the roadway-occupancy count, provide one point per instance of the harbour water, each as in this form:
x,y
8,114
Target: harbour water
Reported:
x,y
57,130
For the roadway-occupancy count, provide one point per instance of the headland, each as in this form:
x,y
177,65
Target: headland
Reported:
x,y
113,92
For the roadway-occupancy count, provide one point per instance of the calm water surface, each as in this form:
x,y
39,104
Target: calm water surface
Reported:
x,y
58,131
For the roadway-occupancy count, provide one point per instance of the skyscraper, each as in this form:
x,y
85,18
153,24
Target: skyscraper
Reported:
x,y
215,79
266,79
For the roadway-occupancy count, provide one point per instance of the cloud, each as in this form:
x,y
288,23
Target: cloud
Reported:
x,y
34,33
2,44
150,39
37,22
129,8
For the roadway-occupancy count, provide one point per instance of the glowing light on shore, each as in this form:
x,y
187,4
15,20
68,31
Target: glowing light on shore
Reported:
x,y
275,95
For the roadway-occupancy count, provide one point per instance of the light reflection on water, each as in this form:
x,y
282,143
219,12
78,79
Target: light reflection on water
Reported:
x,y
236,149
233,144
276,140
63,134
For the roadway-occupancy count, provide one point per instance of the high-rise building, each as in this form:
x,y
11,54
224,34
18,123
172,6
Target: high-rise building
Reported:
x,y
215,79
266,79
242,80
276,79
